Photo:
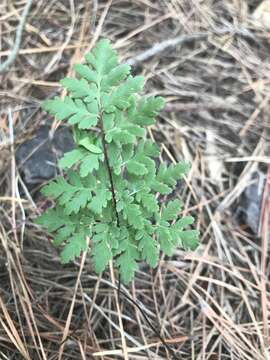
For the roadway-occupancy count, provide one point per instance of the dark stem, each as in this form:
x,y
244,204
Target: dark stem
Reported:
x,y
119,291
109,171
145,316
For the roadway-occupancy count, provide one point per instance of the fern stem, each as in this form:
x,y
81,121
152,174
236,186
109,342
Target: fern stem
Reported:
x,y
145,316
109,170
119,291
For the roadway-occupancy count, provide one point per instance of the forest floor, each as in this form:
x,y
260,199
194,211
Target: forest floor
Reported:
x,y
209,304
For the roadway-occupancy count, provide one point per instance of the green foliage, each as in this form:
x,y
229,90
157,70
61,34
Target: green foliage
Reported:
x,y
112,194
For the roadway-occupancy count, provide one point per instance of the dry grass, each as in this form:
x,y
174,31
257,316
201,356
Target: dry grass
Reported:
x,y
210,304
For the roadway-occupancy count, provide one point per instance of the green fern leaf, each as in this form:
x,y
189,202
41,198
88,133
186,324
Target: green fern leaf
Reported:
x,y
133,215
86,73
103,58
190,239
136,168
149,201
184,222
116,75
86,142
64,233
171,211
111,188
53,219
120,97
127,262
100,200
146,110
79,88
163,189
165,240
71,158
76,244
74,110
149,248
88,164
102,253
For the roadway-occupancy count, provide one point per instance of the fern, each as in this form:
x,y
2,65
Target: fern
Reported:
x,y
111,188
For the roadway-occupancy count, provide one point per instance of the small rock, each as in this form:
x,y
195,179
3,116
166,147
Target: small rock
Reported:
x,y
37,157
249,207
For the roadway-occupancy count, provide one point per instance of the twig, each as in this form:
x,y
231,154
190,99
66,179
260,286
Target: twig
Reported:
x,y
157,48
13,175
99,26
264,232
12,56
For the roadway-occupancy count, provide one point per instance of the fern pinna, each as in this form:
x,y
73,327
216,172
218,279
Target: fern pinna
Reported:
x,y
111,188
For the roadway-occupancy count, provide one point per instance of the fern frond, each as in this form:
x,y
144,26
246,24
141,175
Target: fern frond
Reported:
x,y
112,193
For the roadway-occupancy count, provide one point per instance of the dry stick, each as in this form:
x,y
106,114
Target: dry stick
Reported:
x,y
264,232
159,47
12,56
11,331
100,25
44,49
15,264
13,175
10,266
254,115
121,42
